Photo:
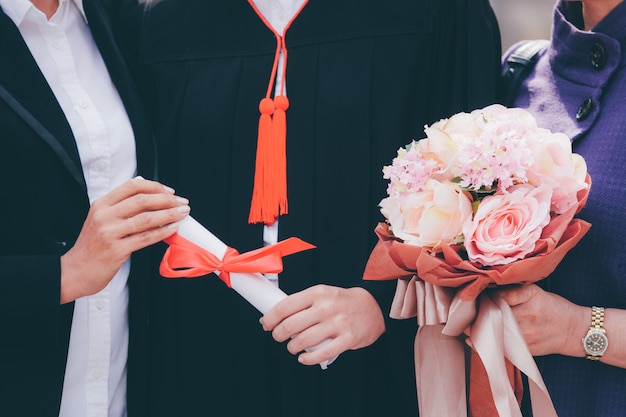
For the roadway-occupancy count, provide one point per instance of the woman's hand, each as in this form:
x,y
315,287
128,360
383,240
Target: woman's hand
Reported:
x,y
134,215
549,323
350,317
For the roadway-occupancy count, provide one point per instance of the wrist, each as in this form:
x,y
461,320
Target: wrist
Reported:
x,y
596,342
71,288
577,329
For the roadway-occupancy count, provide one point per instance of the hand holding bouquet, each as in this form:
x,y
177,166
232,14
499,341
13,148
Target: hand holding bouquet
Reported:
x,y
486,199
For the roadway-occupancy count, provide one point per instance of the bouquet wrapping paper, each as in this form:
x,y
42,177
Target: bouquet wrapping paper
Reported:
x,y
195,251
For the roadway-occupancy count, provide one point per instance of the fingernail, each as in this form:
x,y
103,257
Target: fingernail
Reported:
x,y
168,189
183,209
261,321
139,177
173,225
182,200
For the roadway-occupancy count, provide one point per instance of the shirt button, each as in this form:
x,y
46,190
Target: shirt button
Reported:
x,y
56,44
83,104
101,165
597,56
97,373
99,304
584,110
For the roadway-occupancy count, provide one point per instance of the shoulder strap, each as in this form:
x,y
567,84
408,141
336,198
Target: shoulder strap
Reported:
x,y
517,66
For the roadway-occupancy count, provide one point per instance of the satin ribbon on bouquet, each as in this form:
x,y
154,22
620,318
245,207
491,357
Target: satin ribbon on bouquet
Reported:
x,y
194,251
440,350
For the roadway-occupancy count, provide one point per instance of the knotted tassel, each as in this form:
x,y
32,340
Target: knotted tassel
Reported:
x,y
269,196
264,208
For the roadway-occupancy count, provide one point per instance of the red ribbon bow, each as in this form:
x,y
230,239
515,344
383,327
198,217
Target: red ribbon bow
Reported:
x,y
186,259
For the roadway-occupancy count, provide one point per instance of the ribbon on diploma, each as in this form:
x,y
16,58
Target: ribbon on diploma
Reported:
x,y
186,259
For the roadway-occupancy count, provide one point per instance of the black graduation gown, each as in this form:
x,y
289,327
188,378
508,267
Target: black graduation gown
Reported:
x,y
363,78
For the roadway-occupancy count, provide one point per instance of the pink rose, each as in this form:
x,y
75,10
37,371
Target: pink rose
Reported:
x,y
438,146
460,125
494,118
556,166
507,225
509,119
429,218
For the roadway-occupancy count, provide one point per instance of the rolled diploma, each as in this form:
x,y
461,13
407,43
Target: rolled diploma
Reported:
x,y
255,288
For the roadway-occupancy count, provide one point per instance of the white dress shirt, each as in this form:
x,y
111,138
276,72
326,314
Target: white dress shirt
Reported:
x,y
278,14
95,377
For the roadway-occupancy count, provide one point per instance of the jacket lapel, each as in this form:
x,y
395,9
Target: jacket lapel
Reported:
x,y
25,90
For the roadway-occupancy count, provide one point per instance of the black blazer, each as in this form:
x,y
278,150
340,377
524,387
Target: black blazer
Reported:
x,y
43,205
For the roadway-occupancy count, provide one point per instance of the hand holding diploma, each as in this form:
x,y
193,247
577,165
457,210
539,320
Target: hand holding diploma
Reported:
x,y
130,217
349,317
194,251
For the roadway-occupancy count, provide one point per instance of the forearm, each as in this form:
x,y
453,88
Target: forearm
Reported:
x,y
552,324
578,321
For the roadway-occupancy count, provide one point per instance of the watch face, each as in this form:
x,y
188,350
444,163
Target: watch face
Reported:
x,y
596,343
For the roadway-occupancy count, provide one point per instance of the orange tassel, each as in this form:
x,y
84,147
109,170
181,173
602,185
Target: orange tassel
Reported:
x,y
261,205
269,196
279,127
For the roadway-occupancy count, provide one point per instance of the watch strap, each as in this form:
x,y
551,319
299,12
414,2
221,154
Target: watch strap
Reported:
x,y
597,318
597,326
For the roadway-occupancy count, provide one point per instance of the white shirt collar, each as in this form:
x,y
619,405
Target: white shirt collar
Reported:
x,y
18,9
279,12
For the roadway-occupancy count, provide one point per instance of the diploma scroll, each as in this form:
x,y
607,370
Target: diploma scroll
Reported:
x,y
253,287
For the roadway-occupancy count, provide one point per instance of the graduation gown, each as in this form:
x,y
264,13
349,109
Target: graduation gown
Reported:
x,y
363,78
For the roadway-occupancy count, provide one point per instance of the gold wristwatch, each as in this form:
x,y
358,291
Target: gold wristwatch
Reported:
x,y
596,342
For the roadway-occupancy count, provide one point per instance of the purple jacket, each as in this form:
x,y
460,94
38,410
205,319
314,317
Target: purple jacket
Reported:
x,y
579,87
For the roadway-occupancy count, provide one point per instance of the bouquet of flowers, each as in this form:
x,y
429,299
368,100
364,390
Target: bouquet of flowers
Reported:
x,y
486,199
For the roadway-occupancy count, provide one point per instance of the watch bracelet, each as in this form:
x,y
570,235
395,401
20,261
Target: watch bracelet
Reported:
x,y
597,325
597,317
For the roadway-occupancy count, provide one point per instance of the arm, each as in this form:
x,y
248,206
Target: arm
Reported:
x,y
553,325
34,283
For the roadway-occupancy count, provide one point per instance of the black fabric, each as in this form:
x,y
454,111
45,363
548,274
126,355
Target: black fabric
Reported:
x,y
363,78
44,204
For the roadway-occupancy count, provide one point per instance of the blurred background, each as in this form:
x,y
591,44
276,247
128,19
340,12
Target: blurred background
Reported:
x,y
523,19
